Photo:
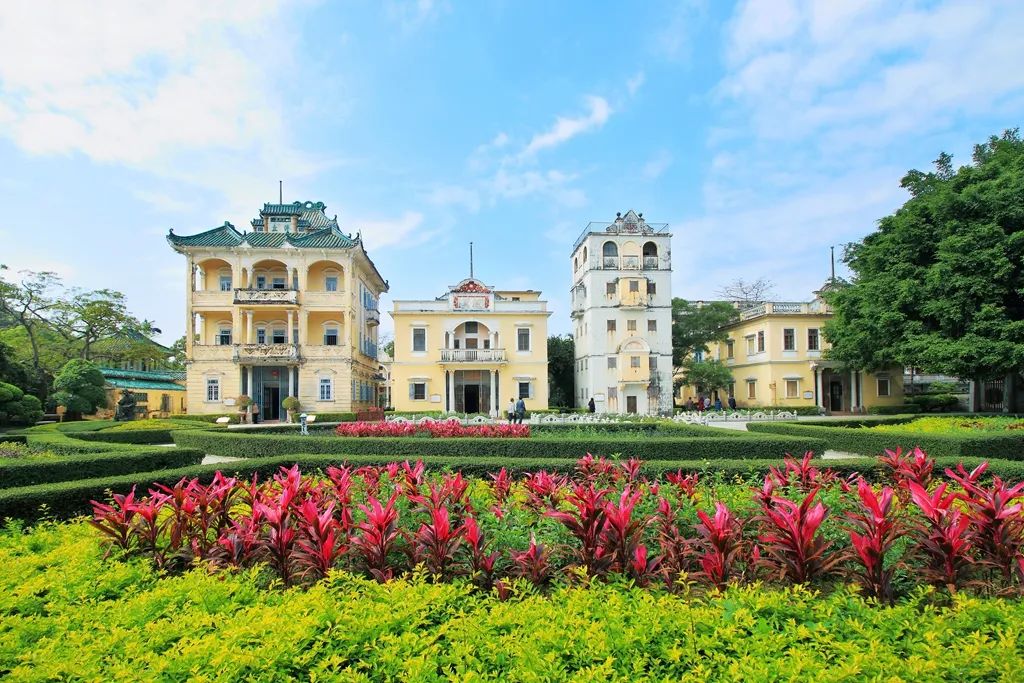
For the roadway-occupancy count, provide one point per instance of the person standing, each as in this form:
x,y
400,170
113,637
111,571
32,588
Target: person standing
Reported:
x,y
590,405
707,403
255,413
520,411
732,403
718,404
511,410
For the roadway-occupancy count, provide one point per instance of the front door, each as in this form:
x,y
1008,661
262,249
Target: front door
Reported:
x,y
835,396
471,398
631,404
271,408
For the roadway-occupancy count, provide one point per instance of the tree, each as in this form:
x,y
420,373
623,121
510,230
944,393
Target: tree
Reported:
x,y
695,326
176,361
27,303
706,375
17,407
79,388
85,317
389,347
940,284
748,294
561,371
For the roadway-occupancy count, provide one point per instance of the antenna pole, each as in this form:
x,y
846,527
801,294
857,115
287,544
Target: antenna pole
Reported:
x,y
471,260
832,252
280,192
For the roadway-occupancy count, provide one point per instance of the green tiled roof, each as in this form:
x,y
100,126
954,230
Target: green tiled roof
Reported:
x,y
145,375
224,236
266,240
282,209
150,385
330,237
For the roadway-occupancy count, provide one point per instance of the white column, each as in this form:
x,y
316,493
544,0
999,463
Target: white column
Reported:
x,y
494,393
451,389
202,329
288,369
304,328
852,406
190,332
250,335
291,319
251,378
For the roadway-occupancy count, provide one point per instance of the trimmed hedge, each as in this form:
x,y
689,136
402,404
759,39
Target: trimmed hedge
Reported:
x,y
869,442
893,410
137,437
655,448
71,498
13,438
233,417
32,471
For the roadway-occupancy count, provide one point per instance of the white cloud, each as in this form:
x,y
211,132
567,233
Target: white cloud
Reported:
x,y
163,202
634,82
455,195
412,15
405,231
657,164
553,184
565,128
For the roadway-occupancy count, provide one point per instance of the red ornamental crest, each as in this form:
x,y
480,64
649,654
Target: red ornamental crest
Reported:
x,y
473,287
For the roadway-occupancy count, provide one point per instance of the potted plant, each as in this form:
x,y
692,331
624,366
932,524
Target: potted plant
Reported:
x,y
243,402
292,405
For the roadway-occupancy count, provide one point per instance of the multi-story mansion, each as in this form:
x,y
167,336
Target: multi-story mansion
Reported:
x,y
776,351
471,350
622,315
288,309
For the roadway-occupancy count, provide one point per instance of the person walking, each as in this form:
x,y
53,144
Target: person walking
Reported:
x,y
255,413
732,403
718,404
511,410
520,411
707,403
591,407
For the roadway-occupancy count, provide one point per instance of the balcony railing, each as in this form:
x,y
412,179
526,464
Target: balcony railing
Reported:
x,y
267,296
783,307
472,355
211,297
633,300
372,317
650,262
266,353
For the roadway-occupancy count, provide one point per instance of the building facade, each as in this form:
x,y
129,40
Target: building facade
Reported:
x,y
622,316
470,351
776,353
288,309
135,363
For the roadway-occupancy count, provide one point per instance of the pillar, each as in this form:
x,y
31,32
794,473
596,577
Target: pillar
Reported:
x,y
817,386
304,328
289,370
291,322
249,369
236,326
190,332
494,395
202,329
451,389
853,404
250,332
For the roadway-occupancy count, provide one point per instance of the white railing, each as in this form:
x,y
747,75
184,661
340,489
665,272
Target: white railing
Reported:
x,y
265,353
372,317
650,263
266,296
472,355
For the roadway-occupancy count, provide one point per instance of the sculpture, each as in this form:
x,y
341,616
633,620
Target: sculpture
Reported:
x,y
125,406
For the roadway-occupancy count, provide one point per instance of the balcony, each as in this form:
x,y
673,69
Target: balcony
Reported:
x,y
372,317
263,297
212,352
323,298
311,352
633,300
472,355
650,263
780,307
211,297
266,354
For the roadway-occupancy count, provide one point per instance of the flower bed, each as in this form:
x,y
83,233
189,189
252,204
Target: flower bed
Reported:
x,y
956,425
802,525
447,429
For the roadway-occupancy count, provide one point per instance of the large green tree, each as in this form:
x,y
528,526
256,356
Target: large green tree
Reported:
x,y
940,284
17,407
79,387
695,326
705,375
561,371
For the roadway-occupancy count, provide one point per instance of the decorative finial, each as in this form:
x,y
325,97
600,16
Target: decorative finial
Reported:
x,y
470,260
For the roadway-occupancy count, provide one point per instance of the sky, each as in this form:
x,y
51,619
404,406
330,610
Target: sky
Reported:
x,y
761,132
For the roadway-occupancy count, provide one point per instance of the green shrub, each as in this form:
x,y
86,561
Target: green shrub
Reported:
x,y
13,438
905,409
233,417
1008,446
668,448
935,403
139,436
41,470
17,407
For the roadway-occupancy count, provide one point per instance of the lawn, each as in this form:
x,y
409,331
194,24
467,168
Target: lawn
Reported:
x,y
955,425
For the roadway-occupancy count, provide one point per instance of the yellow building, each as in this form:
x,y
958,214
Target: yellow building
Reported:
x,y
470,351
289,309
775,351
133,362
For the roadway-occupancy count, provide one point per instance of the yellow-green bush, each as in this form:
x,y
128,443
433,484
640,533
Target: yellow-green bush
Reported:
x,y
68,614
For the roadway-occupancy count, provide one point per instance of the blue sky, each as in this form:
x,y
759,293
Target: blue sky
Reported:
x,y
762,132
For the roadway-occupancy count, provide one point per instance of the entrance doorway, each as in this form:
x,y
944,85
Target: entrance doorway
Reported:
x,y
631,404
835,396
471,398
271,408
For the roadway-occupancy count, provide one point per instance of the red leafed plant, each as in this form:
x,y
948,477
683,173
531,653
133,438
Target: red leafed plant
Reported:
x,y
801,473
944,537
873,530
321,540
482,563
543,489
534,563
790,542
997,525
436,542
586,522
642,567
674,546
720,544
631,468
685,484
447,429
501,484
375,536
115,520
914,466
591,468
280,539
622,530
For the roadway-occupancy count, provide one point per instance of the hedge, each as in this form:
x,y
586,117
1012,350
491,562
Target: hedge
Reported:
x,y
667,448
869,442
13,438
233,417
141,436
71,498
32,471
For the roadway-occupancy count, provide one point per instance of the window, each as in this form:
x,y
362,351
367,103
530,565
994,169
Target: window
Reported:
x,y
750,346
609,289
225,283
278,283
631,326
418,391
652,363
792,388
652,325
611,325
612,362
652,288
278,337
212,389
516,298
326,389
224,336
331,283
634,361
883,386
751,389
524,389
419,339
613,393
789,339
331,336
523,339
729,349
760,341
261,282
812,340
634,286
472,327
261,335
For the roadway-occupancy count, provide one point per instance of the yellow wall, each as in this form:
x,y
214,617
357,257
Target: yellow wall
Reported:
x,y
178,401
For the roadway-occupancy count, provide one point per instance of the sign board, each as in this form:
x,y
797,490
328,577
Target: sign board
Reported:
x,y
808,394
435,398
229,401
598,398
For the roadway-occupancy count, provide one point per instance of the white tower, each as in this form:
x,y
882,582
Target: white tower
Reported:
x,y
622,316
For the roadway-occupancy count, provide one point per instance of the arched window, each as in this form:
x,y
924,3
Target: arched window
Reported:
x,y
584,257
650,249
575,264
610,249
